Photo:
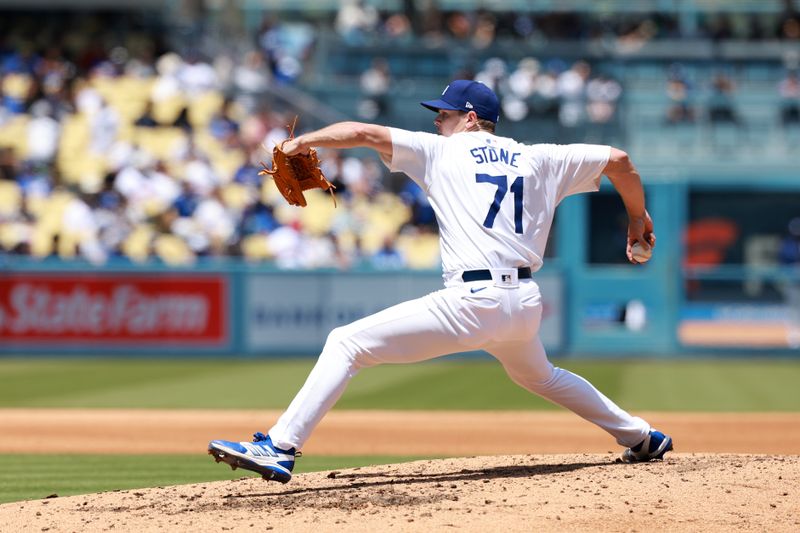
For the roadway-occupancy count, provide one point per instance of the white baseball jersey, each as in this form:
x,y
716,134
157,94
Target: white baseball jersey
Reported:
x,y
494,198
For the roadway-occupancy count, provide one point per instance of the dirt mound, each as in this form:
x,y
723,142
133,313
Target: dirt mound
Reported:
x,y
687,492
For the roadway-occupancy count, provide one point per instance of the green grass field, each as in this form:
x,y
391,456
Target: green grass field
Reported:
x,y
682,385
27,477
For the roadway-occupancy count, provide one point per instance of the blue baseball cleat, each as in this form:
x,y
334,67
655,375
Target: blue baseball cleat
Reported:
x,y
654,446
259,456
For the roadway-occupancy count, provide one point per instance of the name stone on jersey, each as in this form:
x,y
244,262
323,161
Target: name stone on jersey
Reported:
x,y
488,154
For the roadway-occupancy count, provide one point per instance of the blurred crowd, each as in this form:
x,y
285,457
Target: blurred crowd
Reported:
x,y
128,153
570,92
360,22
689,102
127,149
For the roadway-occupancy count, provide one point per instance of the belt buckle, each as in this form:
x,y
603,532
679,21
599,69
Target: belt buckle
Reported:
x,y
505,278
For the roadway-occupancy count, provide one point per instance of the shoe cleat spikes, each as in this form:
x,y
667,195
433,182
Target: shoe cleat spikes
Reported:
x,y
274,464
271,477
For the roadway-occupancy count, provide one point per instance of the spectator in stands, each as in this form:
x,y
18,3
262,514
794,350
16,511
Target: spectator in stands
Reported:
x,y
571,86
720,105
458,26
430,24
17,89
43,133
53,69
109,212
287,46
602,95
196,76
215,222
247,173
789,253
519,89
224,126
632,40
250,79
258,218
359,176
357,21
397,29
523,81
388,257
546,98
286,244
680,108
375,83
789,91
21,60
8,164
790,24
422,213
35,179
493,74
485,30
80,231
199,173
104,124
166,86
186,202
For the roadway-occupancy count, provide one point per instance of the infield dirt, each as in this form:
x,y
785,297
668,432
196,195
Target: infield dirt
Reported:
x,y
582,491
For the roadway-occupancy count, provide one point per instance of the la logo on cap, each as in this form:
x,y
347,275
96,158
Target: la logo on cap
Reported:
x,y
468,105
445,90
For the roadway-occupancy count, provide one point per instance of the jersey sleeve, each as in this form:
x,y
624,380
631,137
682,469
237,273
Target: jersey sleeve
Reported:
x,y
577,167
412,153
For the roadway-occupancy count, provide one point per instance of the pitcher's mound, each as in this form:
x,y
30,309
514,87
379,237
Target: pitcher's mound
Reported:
x,y
589,492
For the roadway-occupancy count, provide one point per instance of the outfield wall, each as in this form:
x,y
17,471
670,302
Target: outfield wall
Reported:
x,y
225,311
233,309
703,291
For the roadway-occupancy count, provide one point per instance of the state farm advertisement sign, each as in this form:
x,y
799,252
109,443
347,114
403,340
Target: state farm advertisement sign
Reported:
x,y
113,309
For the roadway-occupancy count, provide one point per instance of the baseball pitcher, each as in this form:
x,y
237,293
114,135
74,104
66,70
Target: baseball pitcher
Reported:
x,y
494,200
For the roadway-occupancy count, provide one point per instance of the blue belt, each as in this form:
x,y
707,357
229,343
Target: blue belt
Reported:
x,y
485,275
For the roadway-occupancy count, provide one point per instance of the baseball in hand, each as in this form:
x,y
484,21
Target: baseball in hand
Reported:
x,y
641,254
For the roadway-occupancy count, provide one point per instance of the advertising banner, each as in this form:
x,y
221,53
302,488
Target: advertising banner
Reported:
x,y
112,309
293,313
739,326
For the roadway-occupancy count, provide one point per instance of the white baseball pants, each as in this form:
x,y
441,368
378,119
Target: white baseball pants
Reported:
x,y
502,321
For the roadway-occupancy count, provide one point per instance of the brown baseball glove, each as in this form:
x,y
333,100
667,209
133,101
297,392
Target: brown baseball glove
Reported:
x,y
294,174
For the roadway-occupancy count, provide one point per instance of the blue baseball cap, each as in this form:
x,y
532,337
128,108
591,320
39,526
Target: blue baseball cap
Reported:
x,y
468,95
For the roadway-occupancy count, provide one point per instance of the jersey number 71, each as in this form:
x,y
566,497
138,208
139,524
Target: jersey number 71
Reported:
x,y
502,188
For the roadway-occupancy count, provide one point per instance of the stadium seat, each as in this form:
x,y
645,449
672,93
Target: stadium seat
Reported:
x,y
14,134
202,108
10,199
160,143
137,245
255,247
420,249
12,234
173,250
